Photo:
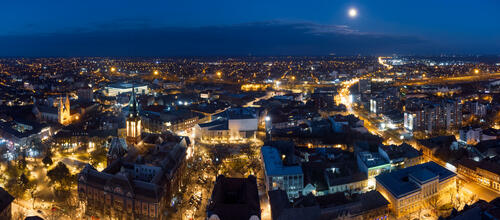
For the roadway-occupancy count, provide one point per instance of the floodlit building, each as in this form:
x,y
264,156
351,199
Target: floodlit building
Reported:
x,y
485,172
119,88
135,186
410,188
133,123
232,124
62,114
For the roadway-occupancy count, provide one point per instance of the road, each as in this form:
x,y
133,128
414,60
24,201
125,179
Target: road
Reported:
x,y
450,80
482,192
267,96
392,136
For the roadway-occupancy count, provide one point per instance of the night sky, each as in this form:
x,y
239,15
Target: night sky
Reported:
x,y
257,27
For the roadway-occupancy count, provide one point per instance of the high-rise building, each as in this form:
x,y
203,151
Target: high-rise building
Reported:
x,y
365,86
433,116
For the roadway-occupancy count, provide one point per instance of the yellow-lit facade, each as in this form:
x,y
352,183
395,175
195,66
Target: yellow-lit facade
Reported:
x,y
133,129
64,112
133,124
413,202
480,175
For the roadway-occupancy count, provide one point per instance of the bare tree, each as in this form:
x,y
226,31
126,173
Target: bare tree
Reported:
x,y
472,199
433,203
32,190
419,211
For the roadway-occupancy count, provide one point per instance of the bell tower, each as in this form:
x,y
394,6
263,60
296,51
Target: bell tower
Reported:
x,y
64,111
133,120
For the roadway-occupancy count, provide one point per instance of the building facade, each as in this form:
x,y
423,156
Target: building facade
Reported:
x,y
431,117
485,172
279,176
412,188
139,188
232,124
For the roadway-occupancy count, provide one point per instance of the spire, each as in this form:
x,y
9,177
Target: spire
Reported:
x,y
60,103
133,105
66,104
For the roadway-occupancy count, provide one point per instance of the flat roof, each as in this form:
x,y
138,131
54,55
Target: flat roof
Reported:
x,y
5,199
404,182
125,85
371,159
274,164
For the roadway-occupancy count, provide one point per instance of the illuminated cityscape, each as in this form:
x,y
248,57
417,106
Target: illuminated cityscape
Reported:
x,y
248,111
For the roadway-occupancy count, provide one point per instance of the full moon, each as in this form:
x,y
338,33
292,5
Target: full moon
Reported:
x,y
353,12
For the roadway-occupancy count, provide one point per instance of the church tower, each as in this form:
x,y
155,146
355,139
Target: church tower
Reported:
x,y
133,120
64,111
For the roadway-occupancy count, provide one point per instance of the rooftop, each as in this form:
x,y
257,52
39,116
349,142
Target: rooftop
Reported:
x,y
234,198
238,113
406,181
402,151
124,85
372,159
5,199
274,164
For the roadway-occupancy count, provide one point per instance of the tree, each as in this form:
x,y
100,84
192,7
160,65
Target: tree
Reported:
x,y
32,190
98,156
22,162
472,199
24,181
60,174
433,202
47,160
419,211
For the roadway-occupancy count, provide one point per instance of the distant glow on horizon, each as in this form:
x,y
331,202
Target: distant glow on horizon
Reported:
x,y
353,12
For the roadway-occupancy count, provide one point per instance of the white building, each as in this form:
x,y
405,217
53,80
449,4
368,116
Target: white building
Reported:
x,y
470,135
232,124
119,88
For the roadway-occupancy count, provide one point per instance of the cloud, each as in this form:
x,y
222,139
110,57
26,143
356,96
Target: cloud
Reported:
x,y
139,38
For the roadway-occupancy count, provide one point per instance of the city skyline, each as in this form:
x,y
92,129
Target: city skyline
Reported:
x,y
229,28
249,110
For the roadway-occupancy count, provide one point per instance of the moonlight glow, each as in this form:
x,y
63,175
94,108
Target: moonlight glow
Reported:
x,y
353,12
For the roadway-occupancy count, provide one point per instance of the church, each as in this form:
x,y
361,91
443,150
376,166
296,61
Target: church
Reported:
x,y
133,123
56,113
